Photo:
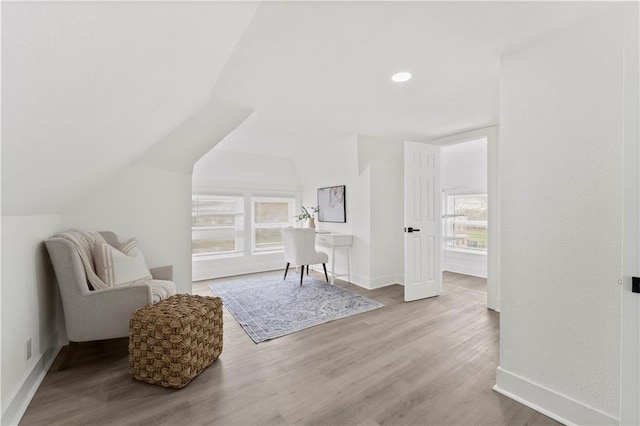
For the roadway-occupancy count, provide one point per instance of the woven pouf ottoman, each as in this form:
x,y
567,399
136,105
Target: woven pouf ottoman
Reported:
x,y
174,340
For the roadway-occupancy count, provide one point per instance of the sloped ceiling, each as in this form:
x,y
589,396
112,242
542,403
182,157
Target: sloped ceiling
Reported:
x,y
318,72
89,87
186,144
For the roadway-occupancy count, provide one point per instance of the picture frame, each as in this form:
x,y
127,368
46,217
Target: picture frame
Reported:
x,y
332,204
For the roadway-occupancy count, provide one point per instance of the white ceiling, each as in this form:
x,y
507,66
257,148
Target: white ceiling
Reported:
x,y
88,87
319,72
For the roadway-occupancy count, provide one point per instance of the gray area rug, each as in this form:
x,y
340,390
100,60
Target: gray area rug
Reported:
x,y
269,307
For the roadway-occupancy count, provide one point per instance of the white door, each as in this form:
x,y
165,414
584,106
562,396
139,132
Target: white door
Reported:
x,y
422,221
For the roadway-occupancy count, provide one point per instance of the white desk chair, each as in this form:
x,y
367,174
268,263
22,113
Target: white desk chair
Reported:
x,y
300,250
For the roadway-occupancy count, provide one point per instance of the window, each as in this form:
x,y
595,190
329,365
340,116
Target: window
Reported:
x,y
269,216
466,222
217,224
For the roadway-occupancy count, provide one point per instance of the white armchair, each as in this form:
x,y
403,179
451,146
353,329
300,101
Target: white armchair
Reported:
x,y
100,314
300,250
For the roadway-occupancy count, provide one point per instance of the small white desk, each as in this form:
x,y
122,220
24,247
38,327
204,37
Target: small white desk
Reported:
x,y
333,241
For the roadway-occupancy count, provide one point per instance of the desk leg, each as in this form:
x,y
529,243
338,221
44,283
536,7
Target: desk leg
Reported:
x,y
333,264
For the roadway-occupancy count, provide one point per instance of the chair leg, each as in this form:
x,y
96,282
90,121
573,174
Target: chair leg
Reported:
x,y
301,275
285,271
72,347
307,270
325,272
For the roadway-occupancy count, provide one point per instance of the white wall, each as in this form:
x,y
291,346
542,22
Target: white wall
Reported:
x,y
226,169
225,172
464,171
148,203
151,198
474,264
630,348
561,216
386,163
464,167
337,164
30,310
371,170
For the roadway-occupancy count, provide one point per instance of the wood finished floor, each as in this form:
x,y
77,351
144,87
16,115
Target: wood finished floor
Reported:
x,y
429,362
465,282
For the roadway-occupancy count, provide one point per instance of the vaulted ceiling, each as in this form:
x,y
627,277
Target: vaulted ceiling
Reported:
x,y
87,87
316,72
90,86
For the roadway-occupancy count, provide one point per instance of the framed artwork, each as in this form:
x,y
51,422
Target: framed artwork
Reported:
x,y
332,204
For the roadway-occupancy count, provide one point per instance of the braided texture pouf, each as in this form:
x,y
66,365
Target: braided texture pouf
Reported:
x,y
174,340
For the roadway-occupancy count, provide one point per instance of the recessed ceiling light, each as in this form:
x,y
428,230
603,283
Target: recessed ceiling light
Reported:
x,y
401,77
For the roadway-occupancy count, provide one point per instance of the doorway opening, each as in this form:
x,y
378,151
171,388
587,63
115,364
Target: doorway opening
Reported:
x,y
463,177
452,226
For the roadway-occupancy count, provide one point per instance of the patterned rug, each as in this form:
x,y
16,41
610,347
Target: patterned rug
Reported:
x,y
269,307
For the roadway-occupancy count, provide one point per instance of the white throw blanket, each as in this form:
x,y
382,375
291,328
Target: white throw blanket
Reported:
x,y
85,241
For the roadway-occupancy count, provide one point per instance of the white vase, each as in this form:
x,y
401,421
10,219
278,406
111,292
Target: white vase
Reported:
x,y
311,223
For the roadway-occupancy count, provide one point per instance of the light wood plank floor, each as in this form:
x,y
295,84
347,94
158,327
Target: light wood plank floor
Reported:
x,y
465,282
429,362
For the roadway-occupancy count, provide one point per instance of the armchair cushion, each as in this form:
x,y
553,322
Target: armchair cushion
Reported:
x,y
117,267
160,289
164,273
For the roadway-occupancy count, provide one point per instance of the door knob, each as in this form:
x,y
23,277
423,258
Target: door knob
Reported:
x,y
410,230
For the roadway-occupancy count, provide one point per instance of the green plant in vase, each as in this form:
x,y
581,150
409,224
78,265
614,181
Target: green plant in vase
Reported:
x,y
307,213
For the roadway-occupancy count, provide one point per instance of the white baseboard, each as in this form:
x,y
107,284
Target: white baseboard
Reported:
x,y
236,274
473,264
371,283
549,402
385,280
228,267
23,396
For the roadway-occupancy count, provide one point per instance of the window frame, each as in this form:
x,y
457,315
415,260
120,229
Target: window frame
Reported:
x,y
239,227
291,202
247,234
449,224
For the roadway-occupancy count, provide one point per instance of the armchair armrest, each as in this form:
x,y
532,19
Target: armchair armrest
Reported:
x,y
104,314
162,273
